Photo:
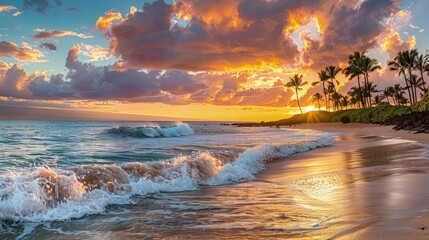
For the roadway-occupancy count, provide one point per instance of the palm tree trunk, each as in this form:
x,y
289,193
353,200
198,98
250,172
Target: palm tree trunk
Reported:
x,y
360,93
297,99
423,81
410,72
367,90
324,92
408,88
318,102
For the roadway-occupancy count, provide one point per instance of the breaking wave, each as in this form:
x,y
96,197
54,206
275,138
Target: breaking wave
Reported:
x,y
180,129
48,193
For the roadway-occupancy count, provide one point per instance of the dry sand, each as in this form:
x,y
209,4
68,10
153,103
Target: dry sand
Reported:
x,y
372,180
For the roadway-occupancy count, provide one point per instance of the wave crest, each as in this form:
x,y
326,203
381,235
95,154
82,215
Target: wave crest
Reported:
x,y
180,129
47,194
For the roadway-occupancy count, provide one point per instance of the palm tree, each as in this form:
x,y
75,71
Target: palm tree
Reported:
x,y
398,92
318,97
421,63
399,65
426,65
323,79
297,83
403,100
345,101
354,101
353,71
370,90
331,73
416,82
336,98
388,92
367,66
410,57
356,93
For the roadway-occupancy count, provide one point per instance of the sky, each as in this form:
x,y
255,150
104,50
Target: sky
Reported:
x,y
189,59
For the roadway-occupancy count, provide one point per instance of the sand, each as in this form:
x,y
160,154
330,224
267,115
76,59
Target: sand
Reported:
x,y
365,129
372,182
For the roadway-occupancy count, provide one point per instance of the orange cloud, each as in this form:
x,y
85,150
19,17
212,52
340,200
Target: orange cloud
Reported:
x,y
26,53
43,34
393,44
105,22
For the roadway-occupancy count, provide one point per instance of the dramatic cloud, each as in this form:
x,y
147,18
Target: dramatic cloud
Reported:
x,y
50,46
149,38
224,52
26,53
86,81
248,34
46,34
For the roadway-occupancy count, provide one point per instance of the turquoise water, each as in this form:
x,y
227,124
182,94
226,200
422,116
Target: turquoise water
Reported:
x,y
54,171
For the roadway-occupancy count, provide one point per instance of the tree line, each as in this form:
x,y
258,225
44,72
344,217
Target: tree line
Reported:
x,y
408,64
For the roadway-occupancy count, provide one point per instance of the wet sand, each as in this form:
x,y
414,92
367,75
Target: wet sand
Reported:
x,y
374,176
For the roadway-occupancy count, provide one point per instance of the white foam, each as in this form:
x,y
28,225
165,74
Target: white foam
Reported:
x,y
23,198
151,131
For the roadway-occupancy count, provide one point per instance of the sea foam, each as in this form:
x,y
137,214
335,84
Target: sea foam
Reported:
x,y
53,193
178,130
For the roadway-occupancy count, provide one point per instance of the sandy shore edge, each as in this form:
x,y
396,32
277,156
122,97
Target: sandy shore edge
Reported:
x,y
406,229
365,129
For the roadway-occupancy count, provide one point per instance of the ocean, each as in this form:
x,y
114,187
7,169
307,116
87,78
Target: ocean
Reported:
x,y
57,175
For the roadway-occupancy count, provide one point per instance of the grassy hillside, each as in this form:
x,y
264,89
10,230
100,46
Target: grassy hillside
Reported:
x,y
377,114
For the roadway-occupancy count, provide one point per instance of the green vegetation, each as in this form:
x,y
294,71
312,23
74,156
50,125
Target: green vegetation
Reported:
x,y
377,114
422,105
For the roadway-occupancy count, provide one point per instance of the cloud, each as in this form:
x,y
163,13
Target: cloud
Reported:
x,y
105,22
249,34
43,34
148,38
95,52
393,44
40,6
25,53
349,29
72,9
13,83
8,8
3,66
50,46
86,81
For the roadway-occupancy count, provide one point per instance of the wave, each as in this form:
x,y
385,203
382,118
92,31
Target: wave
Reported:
x,y
48,194
180,129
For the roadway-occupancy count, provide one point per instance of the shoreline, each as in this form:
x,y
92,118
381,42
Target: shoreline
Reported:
x,y
373,175
365,129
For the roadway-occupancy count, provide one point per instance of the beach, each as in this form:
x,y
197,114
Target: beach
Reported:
x,y
365,129
373,176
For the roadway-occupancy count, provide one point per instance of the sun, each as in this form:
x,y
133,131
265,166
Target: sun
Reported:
x,y
309,109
